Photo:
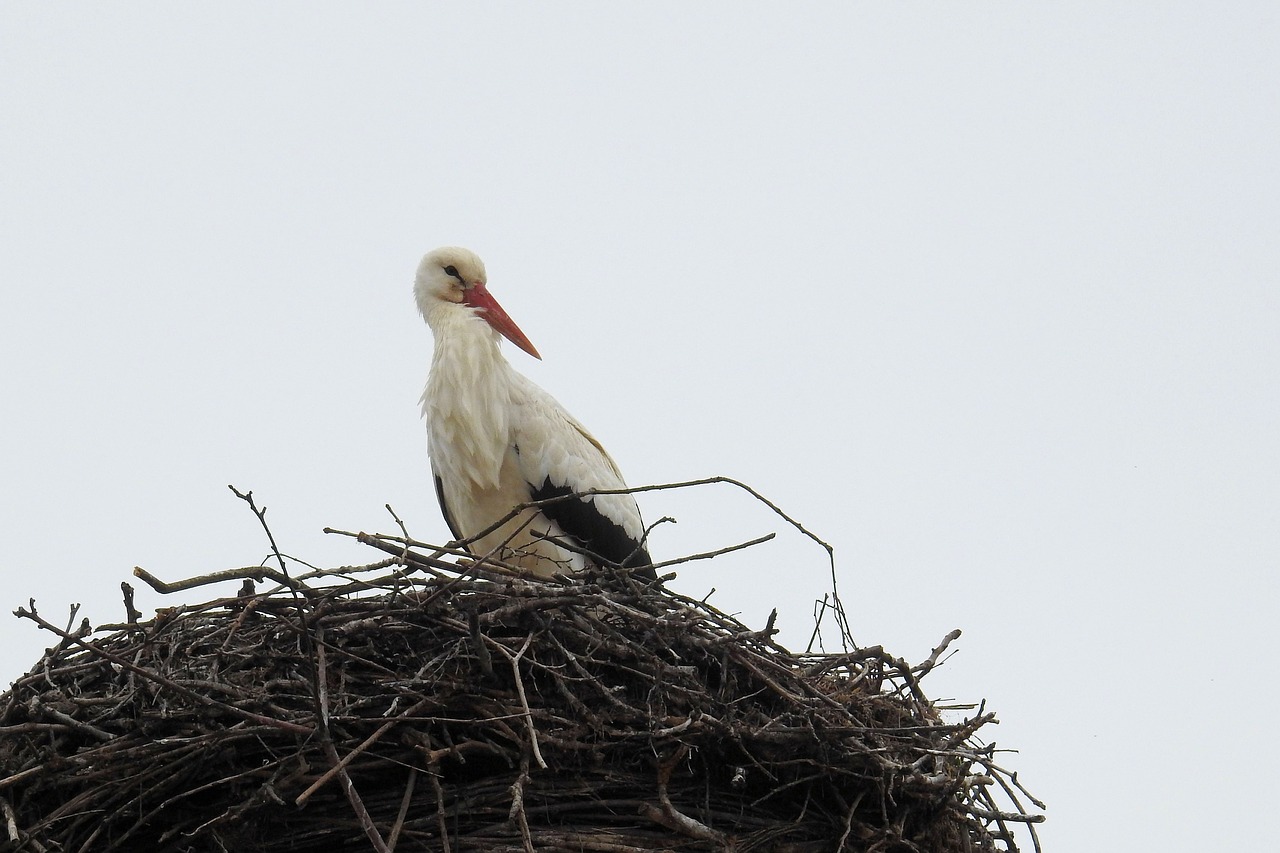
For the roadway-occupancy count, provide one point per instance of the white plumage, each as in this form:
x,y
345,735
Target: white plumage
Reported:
x,y
497,440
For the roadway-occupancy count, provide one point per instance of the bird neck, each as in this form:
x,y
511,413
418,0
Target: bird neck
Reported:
x,y
467,398
464,342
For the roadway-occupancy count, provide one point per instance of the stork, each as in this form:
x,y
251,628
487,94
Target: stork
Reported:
x,y
496,440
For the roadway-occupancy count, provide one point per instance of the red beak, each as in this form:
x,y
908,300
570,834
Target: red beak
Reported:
x,y
477,296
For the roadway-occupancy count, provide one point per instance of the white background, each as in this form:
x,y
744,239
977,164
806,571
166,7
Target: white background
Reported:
x,y
985,294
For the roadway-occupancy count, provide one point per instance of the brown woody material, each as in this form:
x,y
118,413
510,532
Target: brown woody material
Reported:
x,y
410,705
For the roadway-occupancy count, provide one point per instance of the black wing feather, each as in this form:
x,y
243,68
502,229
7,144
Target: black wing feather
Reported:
x,y
444,509
580,519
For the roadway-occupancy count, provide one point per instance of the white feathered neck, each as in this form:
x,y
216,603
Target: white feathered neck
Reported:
x,y
467,398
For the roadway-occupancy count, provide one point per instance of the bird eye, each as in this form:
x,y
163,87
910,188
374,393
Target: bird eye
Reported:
x,y
453,271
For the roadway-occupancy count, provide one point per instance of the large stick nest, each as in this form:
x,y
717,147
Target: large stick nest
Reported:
x,y
419,704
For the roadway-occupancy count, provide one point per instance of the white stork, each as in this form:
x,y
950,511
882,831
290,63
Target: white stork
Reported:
x,y
497,440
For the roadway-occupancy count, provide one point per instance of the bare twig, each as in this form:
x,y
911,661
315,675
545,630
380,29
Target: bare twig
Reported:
x,y
131,612
524,700
348,787
404,810
517,812
257,573
707,555
261,514
398,521
672,817
923,669
301,799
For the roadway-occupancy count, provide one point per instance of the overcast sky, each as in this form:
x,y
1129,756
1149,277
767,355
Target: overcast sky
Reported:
x,y
986,295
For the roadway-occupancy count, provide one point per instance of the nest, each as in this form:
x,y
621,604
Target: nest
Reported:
x,y
421,704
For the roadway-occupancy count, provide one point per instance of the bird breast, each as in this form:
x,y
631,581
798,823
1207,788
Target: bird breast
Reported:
x,y
467,402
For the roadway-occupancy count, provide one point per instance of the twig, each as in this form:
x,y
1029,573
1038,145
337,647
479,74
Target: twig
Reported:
x,y
11,823
707,555
301,799
21,775
71,617
85,728
837,608
1012,817
398,522
253,572
923,669
433,770
670,816
348,787
524,700
132,614
247,497
517,812
848,821
404,810
161,680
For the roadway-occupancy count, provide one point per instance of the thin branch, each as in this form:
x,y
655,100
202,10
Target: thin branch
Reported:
x,y
398,522
517,812
257,573
923,669
348,787
261,514
670,816
524,700
842,620
301,799
132,614
707,555
404,810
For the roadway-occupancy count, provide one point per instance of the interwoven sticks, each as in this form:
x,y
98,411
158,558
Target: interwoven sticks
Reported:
x,y
386,708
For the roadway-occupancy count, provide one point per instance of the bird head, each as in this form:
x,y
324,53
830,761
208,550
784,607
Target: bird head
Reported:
x,y
456,275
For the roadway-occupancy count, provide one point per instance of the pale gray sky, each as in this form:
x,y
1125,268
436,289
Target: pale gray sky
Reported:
x,y
984,294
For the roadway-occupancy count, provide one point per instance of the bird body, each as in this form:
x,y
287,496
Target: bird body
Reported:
x,y
496,440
